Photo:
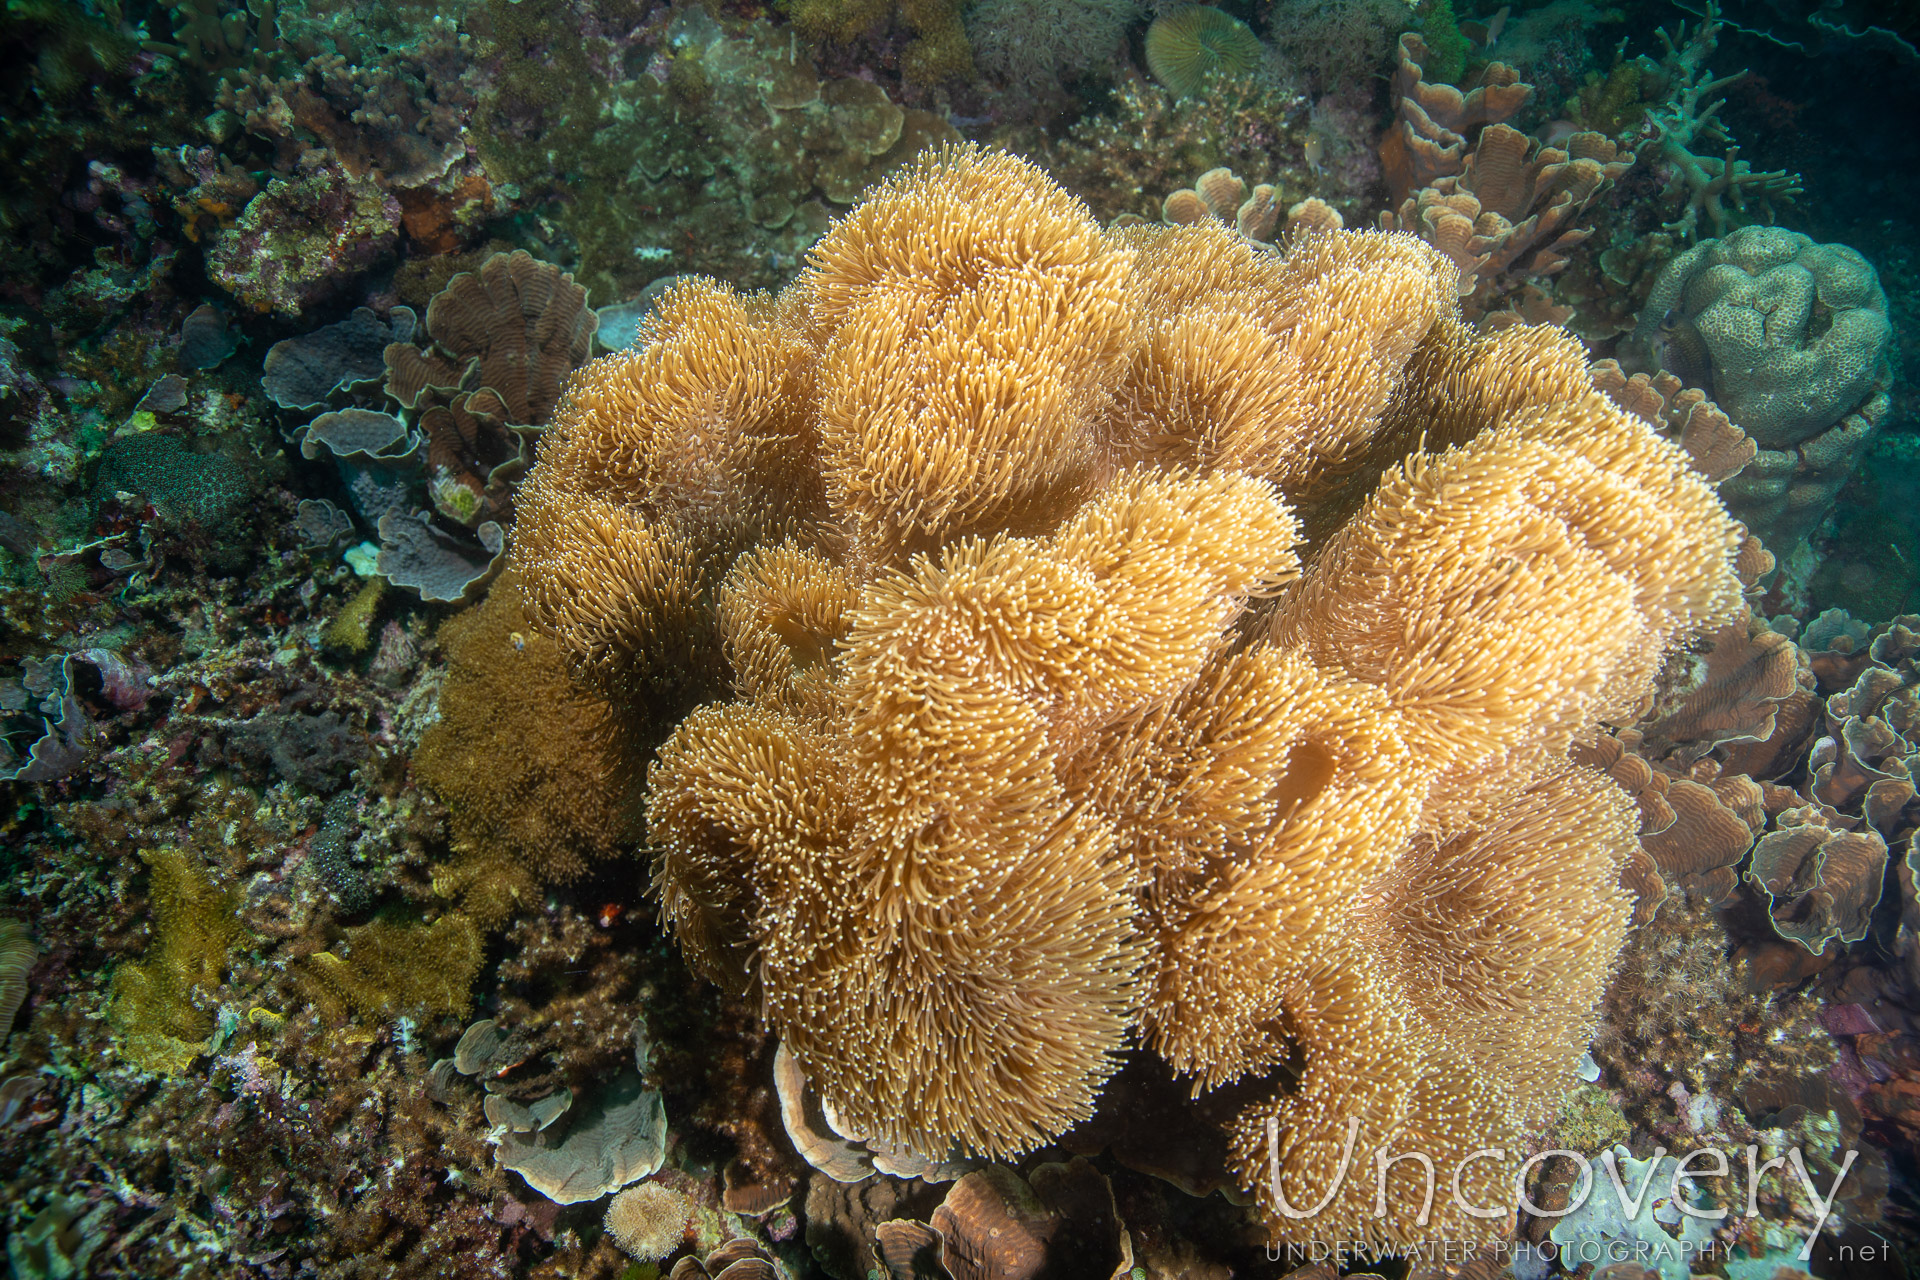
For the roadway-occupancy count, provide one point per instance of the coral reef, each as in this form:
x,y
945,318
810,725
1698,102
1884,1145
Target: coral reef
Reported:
x,y
48,728
1112,696
1428,138
352,628
1035,45
1719,449
618,1137
983,799
729,160
17,954
436,565
515,328
1824,863
1825,341
181,484
1646,121
1151,142
399,120
499,343
291,1127
938,50
1671,972
1336,43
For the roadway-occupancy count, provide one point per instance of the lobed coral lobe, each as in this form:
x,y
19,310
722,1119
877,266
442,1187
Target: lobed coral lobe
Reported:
x,y
1109,637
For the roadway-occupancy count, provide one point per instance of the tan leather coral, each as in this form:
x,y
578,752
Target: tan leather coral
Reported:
x,y
1131,637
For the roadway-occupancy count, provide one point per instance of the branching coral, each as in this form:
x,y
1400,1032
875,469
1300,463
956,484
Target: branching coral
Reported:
x,y
1040,735
215,39
1689,118
1668,109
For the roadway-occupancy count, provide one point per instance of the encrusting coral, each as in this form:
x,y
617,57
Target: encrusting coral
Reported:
x,y
519,757
1112,634
157,1008
391,968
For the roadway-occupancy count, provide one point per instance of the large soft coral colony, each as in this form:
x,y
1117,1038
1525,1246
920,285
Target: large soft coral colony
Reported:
x,y
1131,637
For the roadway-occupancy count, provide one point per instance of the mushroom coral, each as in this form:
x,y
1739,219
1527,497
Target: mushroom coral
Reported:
x,y
1042,640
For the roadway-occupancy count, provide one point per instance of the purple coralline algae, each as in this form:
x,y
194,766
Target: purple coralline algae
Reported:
x,y
305,238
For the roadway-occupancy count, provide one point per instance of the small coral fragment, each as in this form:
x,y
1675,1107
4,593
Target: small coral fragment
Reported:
x,y
649,1221
17,954
351,630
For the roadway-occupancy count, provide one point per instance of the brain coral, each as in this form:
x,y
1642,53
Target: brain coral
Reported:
x,y
1112,635
1796,333
1791,338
